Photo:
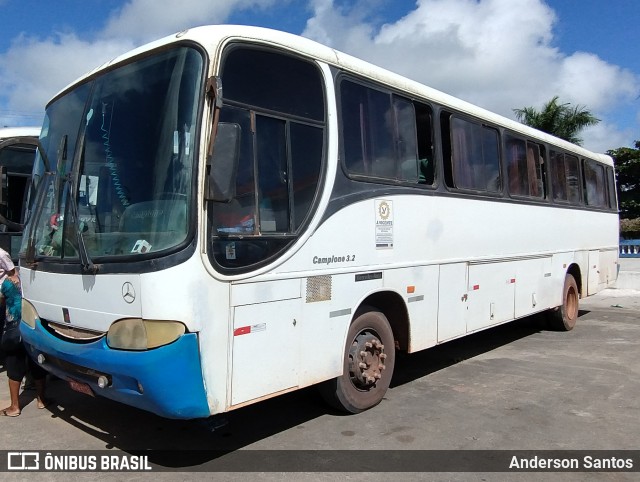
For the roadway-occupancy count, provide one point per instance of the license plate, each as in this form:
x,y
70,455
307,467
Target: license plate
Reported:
x,y
81,387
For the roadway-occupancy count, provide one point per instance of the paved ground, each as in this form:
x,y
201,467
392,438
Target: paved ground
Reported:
x,y
514,387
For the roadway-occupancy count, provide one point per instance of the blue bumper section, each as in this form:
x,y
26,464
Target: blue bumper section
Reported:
x,y
166,380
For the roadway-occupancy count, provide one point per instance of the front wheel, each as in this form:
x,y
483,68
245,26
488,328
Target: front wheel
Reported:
x,y
565,316
369,360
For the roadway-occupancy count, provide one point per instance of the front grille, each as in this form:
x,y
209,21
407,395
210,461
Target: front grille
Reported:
x,y
72,333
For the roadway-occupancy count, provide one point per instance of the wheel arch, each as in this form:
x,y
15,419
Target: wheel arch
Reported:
x,y
574,270
393,306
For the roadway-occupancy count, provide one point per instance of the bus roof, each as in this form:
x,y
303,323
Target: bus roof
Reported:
x,y
212,36
6,132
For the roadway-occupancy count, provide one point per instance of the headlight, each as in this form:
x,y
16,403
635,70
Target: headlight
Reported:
x,y
29,313
139,334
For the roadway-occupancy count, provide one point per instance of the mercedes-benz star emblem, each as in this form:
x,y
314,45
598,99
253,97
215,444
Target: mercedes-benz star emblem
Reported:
x,y
128,293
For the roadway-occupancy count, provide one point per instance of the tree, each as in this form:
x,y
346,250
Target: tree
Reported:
x,y
560,120
627,161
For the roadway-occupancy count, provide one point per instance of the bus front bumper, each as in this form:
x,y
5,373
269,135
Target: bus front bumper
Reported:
x,y
166,380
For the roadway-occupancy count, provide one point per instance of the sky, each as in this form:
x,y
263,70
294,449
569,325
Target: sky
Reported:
x,y
498,54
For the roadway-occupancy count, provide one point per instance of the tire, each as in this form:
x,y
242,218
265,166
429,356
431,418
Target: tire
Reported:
x,y
565,316
369,359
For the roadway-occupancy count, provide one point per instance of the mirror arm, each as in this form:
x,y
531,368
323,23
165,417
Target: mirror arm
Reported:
x,y
214,93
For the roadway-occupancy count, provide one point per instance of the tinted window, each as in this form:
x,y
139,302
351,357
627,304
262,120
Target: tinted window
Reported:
x,y
367,120
18,158
573,178
595,191
272,174
424,123
306,153
386,136
407,142
475,160
611,187
272,81
565,177
524,167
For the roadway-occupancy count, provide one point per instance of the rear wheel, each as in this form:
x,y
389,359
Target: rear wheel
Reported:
x,y
565,316
369,360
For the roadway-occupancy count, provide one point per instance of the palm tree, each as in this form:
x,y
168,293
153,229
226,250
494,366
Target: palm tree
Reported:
x,y
560,120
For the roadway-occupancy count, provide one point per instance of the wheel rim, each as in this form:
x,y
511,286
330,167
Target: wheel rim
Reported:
x,y
366,360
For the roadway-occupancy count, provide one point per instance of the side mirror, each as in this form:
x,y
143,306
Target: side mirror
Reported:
x,y
222,166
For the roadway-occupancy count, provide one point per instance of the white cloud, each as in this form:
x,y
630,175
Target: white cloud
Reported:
x,y
498,54
605,136
33,69
146,20
588,80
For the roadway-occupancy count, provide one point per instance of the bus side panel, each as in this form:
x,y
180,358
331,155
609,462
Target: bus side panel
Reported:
x,y
593,280
533,286
266,345
419,287
603,269
291,333
329,304
559,267
452,301
608,267
491,291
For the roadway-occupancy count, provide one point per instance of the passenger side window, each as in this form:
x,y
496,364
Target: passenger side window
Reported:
x,y
407,146
611,184
595,193
386,136
367,120
426,160
565,177
474,155
524,167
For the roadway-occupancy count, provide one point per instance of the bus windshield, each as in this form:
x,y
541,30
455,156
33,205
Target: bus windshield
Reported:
x,y
122,149
16,163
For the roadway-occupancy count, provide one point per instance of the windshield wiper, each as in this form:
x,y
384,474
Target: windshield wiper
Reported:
x,y
40,194
85,259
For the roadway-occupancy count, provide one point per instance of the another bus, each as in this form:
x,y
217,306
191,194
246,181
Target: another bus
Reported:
x,y
232,213
16,163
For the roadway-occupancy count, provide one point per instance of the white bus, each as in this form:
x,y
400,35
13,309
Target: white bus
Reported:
x,y
16,163
232,213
